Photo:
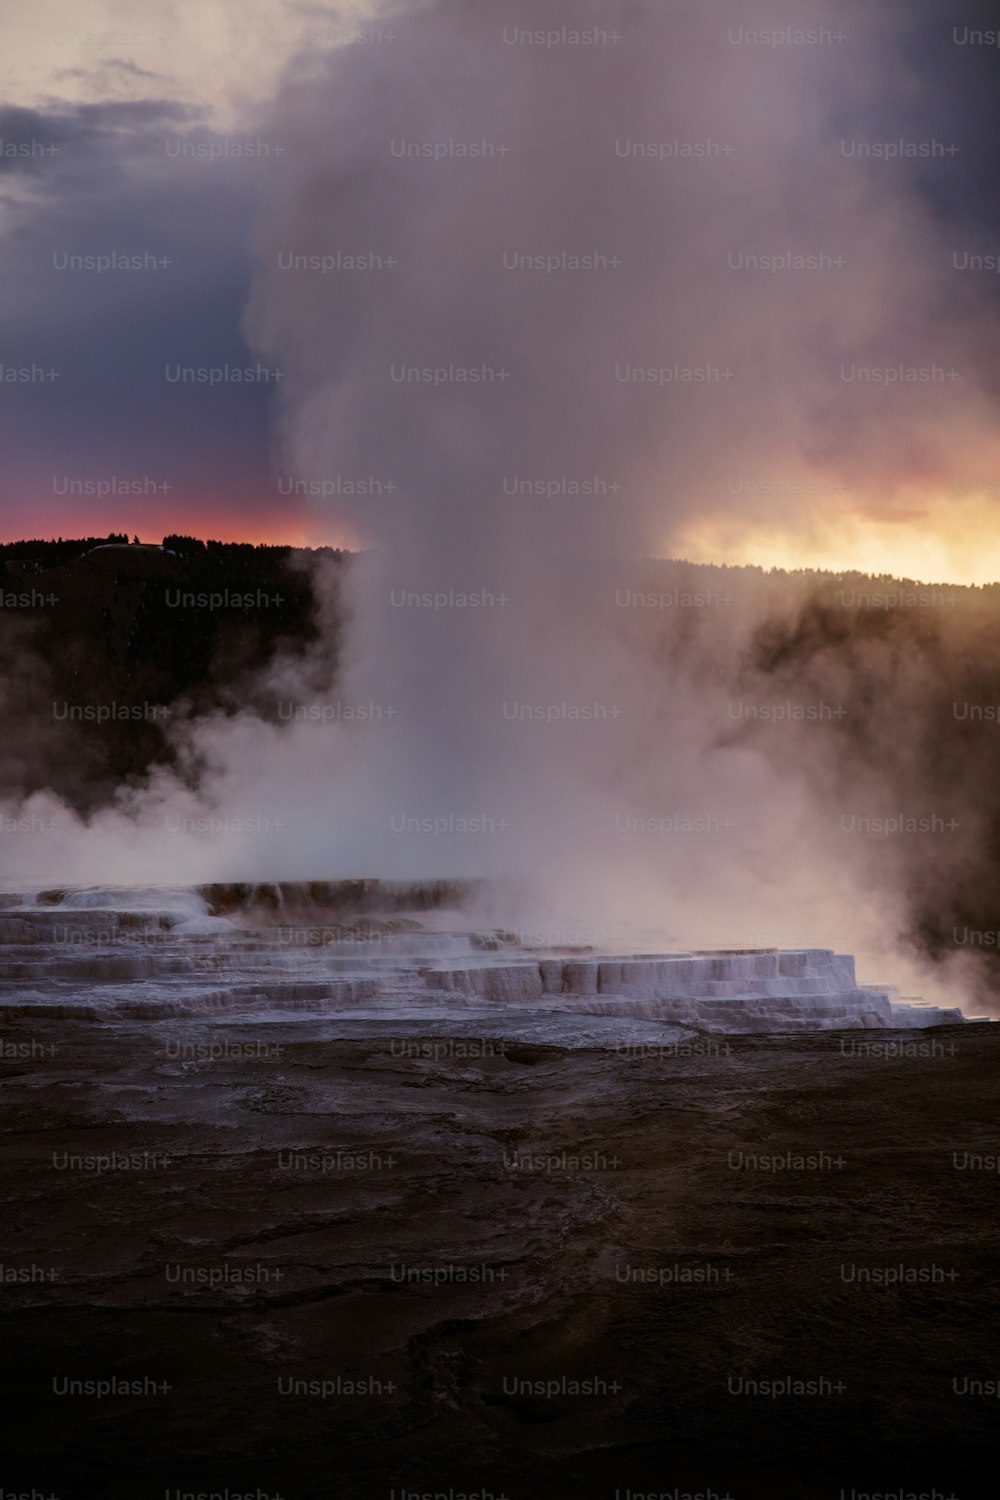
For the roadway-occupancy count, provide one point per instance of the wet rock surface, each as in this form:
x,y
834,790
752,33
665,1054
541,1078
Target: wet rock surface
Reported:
x,y
335,1264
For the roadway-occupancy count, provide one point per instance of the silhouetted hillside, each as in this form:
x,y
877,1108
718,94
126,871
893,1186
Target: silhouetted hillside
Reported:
x,y
98,622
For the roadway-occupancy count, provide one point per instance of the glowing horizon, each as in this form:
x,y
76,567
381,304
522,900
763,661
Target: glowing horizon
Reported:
x,y
781,557
925,545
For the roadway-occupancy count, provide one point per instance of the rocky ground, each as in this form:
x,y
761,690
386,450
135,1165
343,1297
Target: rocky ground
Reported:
x,y
375,1266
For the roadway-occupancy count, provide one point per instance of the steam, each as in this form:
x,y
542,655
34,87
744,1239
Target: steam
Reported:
x,y
666,155
533,726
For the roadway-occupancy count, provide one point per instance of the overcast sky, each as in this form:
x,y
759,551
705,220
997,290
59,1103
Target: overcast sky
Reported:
x,y
203,141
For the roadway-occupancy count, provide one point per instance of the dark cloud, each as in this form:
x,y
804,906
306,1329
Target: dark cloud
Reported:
x,y
110,188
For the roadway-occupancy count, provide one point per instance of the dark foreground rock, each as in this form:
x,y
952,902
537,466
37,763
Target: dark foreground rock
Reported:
x,y
318,1267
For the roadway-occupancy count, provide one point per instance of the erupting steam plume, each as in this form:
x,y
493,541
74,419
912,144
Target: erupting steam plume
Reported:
x,y
570,336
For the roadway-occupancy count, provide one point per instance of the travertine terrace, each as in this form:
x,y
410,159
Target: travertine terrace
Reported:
x,y
363,953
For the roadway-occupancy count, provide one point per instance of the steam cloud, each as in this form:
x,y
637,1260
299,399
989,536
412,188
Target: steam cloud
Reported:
x,y
569,722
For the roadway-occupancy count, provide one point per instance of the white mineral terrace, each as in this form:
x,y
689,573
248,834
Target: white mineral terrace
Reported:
x,y
134,955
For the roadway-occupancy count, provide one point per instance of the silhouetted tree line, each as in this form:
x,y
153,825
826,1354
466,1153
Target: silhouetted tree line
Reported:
x,y
114,635
50,554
